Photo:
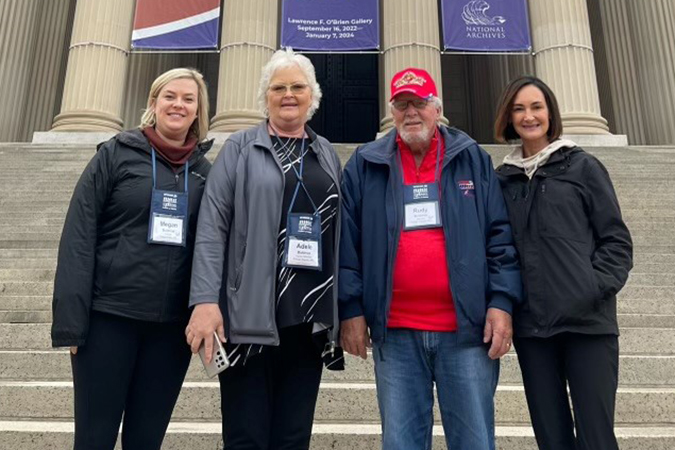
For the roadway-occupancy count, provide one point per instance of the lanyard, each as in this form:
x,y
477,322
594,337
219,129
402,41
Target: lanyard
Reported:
x,y
154,172
438,159
298,175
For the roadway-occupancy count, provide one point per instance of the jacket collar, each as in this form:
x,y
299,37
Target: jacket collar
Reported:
x,y
262,138
558,163
384,150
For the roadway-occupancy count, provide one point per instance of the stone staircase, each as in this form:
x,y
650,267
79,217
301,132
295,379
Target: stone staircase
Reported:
x,y
35,380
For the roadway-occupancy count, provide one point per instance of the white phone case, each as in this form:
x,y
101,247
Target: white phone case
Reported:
x,y
219,361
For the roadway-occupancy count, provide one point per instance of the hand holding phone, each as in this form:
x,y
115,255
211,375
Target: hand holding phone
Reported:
x,y
219,361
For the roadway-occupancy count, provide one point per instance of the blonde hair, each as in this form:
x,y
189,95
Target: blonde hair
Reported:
x,y
282,59
200,126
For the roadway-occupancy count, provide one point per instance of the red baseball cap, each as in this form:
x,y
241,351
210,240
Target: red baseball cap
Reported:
x,y
415,81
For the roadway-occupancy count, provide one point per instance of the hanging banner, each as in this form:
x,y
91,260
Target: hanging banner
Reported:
x,y
330,25
176,24
486,25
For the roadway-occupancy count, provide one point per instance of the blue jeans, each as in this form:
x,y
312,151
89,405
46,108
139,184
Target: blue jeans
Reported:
x,y
408,364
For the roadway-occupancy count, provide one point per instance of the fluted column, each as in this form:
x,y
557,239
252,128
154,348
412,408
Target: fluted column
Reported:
x,y
49,59
410,39
622,68
97,65
564,60
248,39
17,38
654,33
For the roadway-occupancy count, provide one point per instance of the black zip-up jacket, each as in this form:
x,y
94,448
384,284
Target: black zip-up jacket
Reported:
x,y
575,250
105,262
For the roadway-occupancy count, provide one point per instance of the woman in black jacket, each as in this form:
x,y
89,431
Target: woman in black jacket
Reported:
x,y
123,275
575,254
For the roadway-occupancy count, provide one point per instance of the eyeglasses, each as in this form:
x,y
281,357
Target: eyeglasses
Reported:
x,y
418,103
280,89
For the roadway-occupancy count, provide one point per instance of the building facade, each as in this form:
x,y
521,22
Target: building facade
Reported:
x,y
66,66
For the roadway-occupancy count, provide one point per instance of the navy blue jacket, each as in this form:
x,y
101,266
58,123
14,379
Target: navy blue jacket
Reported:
x,y
482,259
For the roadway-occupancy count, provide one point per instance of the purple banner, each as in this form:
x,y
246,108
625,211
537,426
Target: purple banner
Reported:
x,y
330,25
486,25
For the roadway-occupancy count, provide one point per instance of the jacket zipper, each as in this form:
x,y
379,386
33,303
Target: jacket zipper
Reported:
x,y
336,320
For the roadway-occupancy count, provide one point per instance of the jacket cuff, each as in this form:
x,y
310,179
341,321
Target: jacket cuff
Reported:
x,y
347,310
501,302
68,342
199,301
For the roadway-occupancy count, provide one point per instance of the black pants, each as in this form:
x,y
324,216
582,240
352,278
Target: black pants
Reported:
x,y
132,367
268,403
589,364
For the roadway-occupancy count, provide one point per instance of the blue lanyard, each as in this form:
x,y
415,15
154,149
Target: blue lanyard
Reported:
x,y
154,172
298,175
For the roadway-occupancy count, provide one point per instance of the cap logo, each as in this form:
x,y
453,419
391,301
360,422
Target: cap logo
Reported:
x,y
409,78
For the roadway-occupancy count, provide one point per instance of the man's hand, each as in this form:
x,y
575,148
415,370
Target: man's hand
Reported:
x,y
499,330
206,318
354,337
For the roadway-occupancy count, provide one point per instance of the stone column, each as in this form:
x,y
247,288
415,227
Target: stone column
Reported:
x,y
654,33
410,38
97,66
564,60
248,39
17,39
49,58
622,69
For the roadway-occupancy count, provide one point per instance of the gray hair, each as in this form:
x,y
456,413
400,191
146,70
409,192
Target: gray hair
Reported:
x,y
282,59
437,102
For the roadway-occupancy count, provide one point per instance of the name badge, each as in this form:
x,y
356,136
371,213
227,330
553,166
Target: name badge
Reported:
x,y
303,241
421,207
168,218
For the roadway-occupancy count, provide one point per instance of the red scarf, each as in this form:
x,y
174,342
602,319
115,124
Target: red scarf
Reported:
x,y
176,156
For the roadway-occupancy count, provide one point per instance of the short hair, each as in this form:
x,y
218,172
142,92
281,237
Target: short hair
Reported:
x,y
200,127
504,130
282,59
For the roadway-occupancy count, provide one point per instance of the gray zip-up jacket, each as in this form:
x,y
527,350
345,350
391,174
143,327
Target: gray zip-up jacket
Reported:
x,y
239,217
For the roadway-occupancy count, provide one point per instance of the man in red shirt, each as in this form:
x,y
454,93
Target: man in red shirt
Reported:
x,y
427,263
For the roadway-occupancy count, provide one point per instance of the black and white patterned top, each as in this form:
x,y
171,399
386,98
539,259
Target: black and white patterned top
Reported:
x,y
303,296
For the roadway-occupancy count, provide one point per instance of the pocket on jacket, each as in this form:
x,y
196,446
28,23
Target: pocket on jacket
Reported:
x,y
103,278
570,281
561,211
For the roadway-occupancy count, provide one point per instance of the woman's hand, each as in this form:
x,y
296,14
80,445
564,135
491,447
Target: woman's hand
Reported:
x,y
206,318
73,350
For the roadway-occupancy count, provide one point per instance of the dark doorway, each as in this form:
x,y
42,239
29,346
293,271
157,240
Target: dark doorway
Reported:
x,y
349,110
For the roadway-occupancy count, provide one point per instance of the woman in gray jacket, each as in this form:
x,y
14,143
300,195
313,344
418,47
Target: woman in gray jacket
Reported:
x,y
264,274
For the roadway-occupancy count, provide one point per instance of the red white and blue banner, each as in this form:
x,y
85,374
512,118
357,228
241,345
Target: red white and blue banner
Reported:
x,y
486,25
176,24
330,25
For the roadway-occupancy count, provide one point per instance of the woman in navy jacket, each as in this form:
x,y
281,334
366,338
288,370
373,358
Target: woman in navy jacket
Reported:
x,y
575,253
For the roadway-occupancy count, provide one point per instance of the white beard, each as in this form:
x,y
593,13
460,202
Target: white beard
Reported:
x,y
415,138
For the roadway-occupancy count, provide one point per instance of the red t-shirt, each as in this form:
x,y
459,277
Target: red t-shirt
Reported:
x,y
422,299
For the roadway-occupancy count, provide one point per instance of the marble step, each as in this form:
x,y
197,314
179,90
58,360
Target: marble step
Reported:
x,y
337,402
54,365
55,435
661,341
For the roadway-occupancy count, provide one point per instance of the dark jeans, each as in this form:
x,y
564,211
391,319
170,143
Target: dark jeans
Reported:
x,y
268,403
132,367
589,364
